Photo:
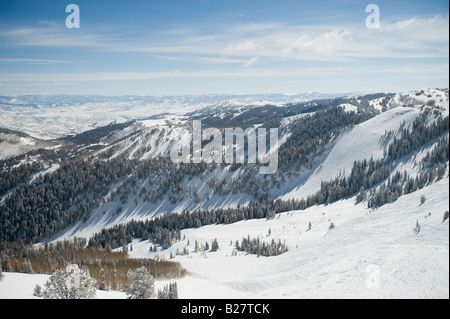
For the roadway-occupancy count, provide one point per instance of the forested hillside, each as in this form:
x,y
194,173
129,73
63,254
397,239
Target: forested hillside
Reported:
x,y
37,205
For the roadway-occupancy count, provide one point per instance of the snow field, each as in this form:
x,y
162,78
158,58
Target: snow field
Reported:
x,y
360,142
369,253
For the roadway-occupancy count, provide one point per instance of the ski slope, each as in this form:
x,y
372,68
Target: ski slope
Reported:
x,y
369,253
357,143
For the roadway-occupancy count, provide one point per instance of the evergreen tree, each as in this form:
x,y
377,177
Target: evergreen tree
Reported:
x,y
417,228
422,199
168,291
214,245
173,291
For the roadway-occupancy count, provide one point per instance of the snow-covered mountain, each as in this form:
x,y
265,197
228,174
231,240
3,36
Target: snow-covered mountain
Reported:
x,y
359,196
54,116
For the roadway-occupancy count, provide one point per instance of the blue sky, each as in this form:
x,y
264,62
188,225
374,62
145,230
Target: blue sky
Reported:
x,y
211,47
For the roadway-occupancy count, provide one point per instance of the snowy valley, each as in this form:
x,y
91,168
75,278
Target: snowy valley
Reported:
x,y
359,200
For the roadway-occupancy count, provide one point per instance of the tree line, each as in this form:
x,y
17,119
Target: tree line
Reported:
x,y
255,246
109,268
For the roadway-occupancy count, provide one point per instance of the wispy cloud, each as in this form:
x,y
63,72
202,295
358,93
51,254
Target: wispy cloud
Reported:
x,y
413,37
33,61
435,70
410,38
56,36
251,62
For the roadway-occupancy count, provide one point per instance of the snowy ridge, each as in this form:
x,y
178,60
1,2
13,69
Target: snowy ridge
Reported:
x,y
153,138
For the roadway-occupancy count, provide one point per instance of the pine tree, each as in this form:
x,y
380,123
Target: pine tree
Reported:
x,y
214,245
422,199
163,293
173,291
417,228
196,196
168,291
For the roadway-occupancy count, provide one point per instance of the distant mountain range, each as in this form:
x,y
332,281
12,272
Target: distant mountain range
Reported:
x,y
53,116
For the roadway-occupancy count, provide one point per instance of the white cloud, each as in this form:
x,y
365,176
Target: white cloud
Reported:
x,y
56,36
250,62
327,44
219,60
245,47
434,29
414,37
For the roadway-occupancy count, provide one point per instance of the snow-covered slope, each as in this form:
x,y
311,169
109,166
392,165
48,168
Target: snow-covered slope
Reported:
x,y
15,143
427,96
153,138
369,253
357,143
368,139
21,286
